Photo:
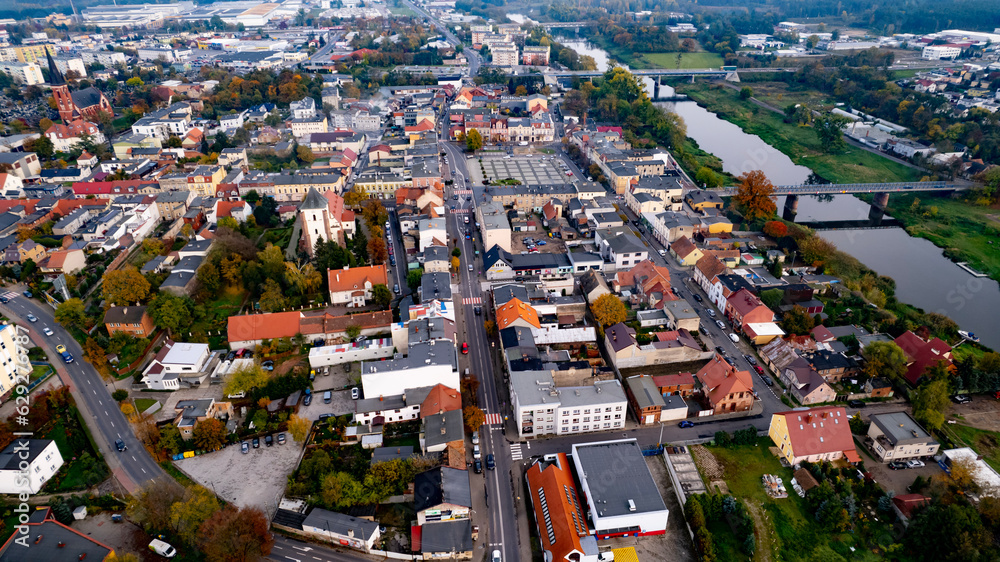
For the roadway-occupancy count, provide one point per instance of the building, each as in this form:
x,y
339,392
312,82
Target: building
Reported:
x,y
441,430
685,252
535,56
442,494
682,315
250,330
63,262
897,436
324,217
353,286
304,127
744,307
645,398
450,540
701,199
725,388
65,137
340,529
132,320
813,435
10,353
805,384
562,526
42,460
87,103
542,408
189,413
427,363
622,498
25,73
922,354
50,540
675,347
23,164
174,361
940,52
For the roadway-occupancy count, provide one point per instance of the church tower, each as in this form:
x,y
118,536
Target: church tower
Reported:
x,y
60,90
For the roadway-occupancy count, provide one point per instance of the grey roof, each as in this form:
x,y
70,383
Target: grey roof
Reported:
x,y
12,455
313,200
680,309
626,243
152,264
435,286
340,524
426,329
601,392
86,97
446,536
409,397
383,454
124,314
55,542
434,352
189,263
901,429
441,485
443,428
504,293
703,196
644,391
436,253
615,473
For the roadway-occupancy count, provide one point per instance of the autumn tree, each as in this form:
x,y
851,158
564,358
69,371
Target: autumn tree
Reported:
x,y
208,276
171,312
150,506
754,196
298,427
930,402
815,249
473,140
381,296
608,310
95,355
187,515
355,197
246,378
775,229
71,314
305,154
124,286
474,417
232,535
377,250
455,262
210,434
272,299
797,321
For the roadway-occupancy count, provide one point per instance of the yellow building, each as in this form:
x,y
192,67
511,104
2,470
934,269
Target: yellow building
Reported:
x,y
204,179
814,435
26,53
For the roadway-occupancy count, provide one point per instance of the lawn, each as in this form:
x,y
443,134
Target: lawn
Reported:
x,y
788,529
801,144
143,404
228,304
986,443
73,444
688,60
39,371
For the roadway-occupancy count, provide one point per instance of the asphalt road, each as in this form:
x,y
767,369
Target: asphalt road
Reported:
x,y
475,60
291,550
133,467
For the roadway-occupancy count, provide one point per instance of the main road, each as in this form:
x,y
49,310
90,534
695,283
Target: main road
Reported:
x,y
474,58
133,467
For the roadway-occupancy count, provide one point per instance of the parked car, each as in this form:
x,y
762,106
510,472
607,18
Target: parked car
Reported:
x,y
719,323
4,300
478,310
307,400
767,380
855,403
685,423
245,447
281,439
395,288
327,397
355,393
712,314
719,350
475,437
750,359
268,440
477,465
325,416
914,463
961,399
490,464
758,369
897,465
230,356
256,442
476,453
27,294
268,365
698,298
120,445
465,348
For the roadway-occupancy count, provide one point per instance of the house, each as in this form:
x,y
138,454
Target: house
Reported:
x,y
440,430
173,361
250,330
132,320
897,436
446,539
11,186
189,413
20,252
22,164
645,399
682,315
706,271
805,384
593,285
877,387
744,307
675,347
65,137
436,259
340,529
353,286
238,210
233,157
681,384
42,538
542,408
725,388
813,435
442,494
700,199
515,313
562,526
922,354
60,262
621,497
427,363
647,282
685,252
831,366
27,464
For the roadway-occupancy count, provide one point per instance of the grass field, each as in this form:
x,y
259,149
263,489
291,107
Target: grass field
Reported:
x,y
143,404
986,443
688,60
801,144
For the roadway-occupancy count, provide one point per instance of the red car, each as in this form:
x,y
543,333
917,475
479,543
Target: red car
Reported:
x,y
465,348
758,369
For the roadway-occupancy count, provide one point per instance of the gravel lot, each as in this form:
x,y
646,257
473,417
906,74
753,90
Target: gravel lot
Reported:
x,y
255,479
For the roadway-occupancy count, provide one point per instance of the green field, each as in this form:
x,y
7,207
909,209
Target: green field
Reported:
x,y
986,443
801,144
688,60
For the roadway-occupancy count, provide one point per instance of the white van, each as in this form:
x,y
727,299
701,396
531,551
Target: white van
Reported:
x,y
735,338
162,548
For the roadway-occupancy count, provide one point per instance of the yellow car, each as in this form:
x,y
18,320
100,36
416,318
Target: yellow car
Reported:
x,y
61,348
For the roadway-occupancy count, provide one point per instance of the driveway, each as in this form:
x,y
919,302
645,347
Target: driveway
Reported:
x,y
229,473
899,480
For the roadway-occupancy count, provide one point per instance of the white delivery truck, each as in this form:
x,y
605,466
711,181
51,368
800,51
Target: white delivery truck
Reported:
x,y
162,548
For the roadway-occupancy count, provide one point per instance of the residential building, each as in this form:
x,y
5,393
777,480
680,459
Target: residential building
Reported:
x,y
645,399
302,128
681,384
922,354
24,73
830,365
744,307
442,494
27,464
10,353
63,262
440,431
542,408
353,286
23,164
682,315
675,347
132,320
897,436
621,496
515,313
494,226
805,384
535,56
725,388
234,157
427,363
445,540
562,526
701,199
189,413
340,529
50,540
65,137
706,272
174,361
172,205
685,252
305,108
813,435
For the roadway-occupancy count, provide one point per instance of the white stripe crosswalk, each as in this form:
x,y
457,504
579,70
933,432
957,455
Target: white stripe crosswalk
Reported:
x,y
8,295
462,192
494,419
515,452
460,211
472,300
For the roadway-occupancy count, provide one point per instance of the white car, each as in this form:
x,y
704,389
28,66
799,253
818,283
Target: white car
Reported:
x,y
47,331
496,556
914,463
32,318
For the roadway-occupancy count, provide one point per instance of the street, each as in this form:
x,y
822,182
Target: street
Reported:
x,y
133,467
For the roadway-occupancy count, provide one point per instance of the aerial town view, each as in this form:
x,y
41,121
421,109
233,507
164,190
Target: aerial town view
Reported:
x,y
500,280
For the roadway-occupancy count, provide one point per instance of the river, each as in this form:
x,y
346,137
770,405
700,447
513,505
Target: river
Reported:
x,y
924,276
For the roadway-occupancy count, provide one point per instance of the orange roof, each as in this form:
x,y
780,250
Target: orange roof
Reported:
x,y
820,430
424,125
439,400
514,309
263,326
64,207
557,508
710,266
225,208
350,279
722,379
8,204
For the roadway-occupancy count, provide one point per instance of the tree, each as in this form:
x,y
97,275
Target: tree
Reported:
x,y
352,331
339,490
71,314
187,515
229,222
171,312
305,154
457,252
208,276
272,299
382,296
746,93
989,363
299,427
950,532
150,506
474,417
830,130
377,250
775,229
473,140
355,197
120,395
754,196
43,147
816,249
124,286
885,359
95,355
455,263
772,298
707,177
797,321
245,379
210,434
490,327
521,91
930,402
232,535
608,310
170,439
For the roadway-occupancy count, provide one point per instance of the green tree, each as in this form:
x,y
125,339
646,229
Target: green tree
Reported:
x,y
229,222
413,278
746,93
830,130
352,331
170,439
171,312
707,177
209,435
208,276
885,359
608,310
149,507
340,490
245,379
457,252
43,147
382,296
950,532
272,299
473,140
124,286
930,402
187,515
119,395
772,298
71,314
797,321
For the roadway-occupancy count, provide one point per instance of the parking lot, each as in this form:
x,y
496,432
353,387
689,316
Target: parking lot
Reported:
x,y
228,472
529,170
551,245
899,480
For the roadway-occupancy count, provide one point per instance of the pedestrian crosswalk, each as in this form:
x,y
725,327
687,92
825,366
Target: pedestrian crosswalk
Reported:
x,y
462,192
8,295
515,452
494,419
472,300
460,211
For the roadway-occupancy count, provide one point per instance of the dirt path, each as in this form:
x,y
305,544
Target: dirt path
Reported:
x,y
767,541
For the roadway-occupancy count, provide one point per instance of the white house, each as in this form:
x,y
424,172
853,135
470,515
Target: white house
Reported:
x,y
433,232
305,108
427,364
232,121
340,529
43,461
353,286
173,361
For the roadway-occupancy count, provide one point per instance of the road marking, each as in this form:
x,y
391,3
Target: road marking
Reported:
x,y
133,458
302,548
515,452
143,470
112,425
472,300
106,412
494,419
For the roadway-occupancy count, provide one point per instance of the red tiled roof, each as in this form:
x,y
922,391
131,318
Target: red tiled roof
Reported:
x,y
820,430
722,379
745,302
440,399
350,279
560,511
922,354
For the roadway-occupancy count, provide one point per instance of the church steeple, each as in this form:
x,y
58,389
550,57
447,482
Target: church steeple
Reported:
x,y
55,77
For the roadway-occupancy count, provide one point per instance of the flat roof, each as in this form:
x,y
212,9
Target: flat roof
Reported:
x,y
614,472
185,353
899,427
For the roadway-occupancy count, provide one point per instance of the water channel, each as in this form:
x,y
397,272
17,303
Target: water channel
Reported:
x,y
924,276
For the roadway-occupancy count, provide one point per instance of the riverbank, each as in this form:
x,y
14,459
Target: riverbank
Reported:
x,y
800,144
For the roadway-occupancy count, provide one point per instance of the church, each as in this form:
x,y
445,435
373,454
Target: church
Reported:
x,y
82,104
